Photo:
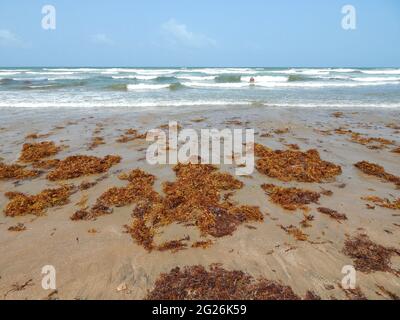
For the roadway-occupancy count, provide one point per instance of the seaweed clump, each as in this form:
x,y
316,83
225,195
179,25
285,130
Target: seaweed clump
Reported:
x,y
45,164
333,214
295,165
15,171
21,204
368,256
32,152
376,170
354,294
370,142
140,187
202,244
174,245
291,198
96,211
18,227
130,135
78,166
385,203
193,199
96,141
396,150
196,283
36,136
295,232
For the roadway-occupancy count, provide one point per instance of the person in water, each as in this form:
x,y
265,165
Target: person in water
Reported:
x,y
252,80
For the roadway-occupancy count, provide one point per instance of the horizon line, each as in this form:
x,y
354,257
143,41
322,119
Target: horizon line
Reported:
x,y
193,67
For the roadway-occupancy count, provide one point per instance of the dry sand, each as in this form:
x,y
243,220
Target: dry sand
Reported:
x,y
94,265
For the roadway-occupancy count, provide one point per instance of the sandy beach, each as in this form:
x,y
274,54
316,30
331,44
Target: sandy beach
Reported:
x,y
353,218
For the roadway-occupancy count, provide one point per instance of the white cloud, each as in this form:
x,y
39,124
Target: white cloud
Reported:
x,y
101,38
178,34
9,39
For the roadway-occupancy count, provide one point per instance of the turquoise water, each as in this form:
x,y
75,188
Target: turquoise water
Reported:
x,y
179,87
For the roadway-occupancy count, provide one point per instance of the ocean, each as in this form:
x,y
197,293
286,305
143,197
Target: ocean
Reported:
x,y
154,88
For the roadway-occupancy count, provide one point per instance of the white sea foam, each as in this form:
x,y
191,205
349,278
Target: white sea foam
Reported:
x,y
377,79
219,71
309,72
382,71
8,73
196,78
343,70
134,77
282,84
50,73
229,85
143,86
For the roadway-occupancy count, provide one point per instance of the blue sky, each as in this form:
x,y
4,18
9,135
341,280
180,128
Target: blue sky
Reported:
x,y
200,33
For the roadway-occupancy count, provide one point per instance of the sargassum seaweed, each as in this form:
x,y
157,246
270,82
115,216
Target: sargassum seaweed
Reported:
x,y
32,152
82,165
21,204
15,171
291,198
197,283
289,165
194,198
376,170
385,203
368,256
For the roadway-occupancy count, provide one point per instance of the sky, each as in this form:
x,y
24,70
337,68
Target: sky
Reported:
x,y
213,33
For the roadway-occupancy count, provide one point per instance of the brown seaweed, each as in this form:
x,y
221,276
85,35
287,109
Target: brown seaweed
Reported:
x,y
396,150
32,152
295,232
385,203
96,211
21,204
79,165
202,244
290,198
196,283
289,165
194,198
354,294
141,233
130,135
376,170
18,227
15,171
390,294
96,141
333,214
368,256
174,245
45,164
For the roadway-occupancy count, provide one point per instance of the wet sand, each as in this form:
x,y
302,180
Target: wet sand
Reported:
x,y
108,264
